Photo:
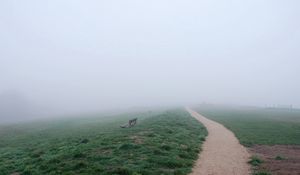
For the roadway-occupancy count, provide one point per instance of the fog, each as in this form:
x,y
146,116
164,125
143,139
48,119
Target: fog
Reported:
x,y
67,57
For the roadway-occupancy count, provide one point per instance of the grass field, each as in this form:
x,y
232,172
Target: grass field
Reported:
x,y
257,125
161,143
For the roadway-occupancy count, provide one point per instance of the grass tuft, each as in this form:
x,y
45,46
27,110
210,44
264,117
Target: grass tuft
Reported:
x,y
262,173
255,161
279,157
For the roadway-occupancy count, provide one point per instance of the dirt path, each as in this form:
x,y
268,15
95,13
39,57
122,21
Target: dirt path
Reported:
x,y
222,154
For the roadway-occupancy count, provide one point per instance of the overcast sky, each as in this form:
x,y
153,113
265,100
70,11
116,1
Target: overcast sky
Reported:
x,y
94,55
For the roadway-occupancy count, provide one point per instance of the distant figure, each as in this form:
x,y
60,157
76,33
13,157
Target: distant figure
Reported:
x,y
130,123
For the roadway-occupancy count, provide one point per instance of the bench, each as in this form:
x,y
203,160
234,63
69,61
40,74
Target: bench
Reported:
x,y
130,123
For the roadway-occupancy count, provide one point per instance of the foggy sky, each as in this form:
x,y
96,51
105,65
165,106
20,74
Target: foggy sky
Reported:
x,y
92,55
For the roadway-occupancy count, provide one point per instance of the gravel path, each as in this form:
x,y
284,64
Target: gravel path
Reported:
x,y
222,153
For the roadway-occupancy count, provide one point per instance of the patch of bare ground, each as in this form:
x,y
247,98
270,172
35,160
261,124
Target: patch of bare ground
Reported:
x,y
278,159
137,139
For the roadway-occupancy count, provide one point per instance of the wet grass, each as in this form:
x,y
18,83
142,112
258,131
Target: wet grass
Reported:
x,y
258,125
161,143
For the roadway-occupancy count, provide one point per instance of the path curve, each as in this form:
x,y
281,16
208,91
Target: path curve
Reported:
x,y
221,154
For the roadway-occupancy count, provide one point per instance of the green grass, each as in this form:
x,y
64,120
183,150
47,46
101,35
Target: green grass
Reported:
x,y
255,161
262,173
161,143
258,125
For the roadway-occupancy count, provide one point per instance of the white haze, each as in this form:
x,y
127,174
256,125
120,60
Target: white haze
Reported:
x,y
75,56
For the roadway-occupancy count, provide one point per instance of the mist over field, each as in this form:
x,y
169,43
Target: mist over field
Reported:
x,y
69,57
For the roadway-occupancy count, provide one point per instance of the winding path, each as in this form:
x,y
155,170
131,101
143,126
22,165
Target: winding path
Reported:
x,y
222,153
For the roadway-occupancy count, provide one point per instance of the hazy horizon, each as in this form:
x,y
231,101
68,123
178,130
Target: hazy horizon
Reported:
x,y
60,57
